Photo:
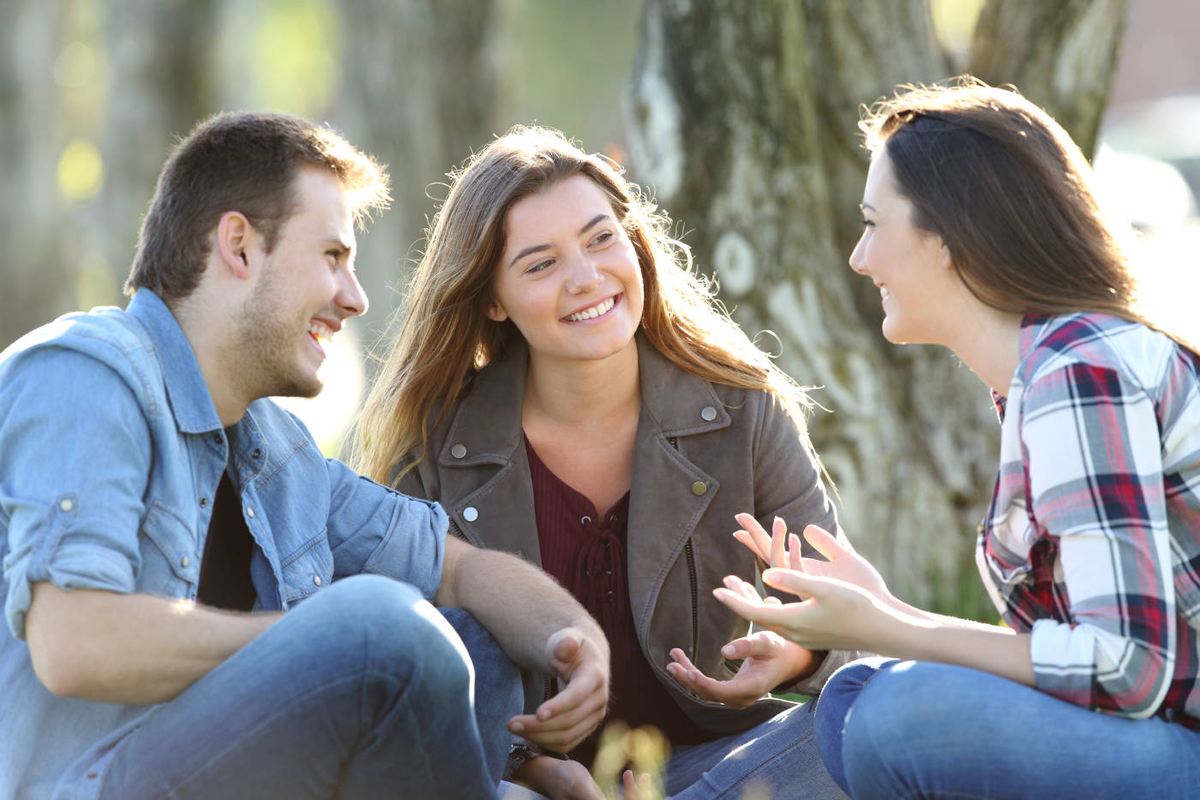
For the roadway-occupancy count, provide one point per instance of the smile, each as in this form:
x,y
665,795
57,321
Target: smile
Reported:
x,y
884,293
598,310
319,331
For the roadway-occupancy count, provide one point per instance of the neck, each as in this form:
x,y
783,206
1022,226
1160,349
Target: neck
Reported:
x,y
583,394
202,324
990,346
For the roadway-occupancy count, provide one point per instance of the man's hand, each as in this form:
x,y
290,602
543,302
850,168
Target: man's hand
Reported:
x,y
767,661
558,779
565,720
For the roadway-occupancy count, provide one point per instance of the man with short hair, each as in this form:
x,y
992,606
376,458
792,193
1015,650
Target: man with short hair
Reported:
x,y
200,604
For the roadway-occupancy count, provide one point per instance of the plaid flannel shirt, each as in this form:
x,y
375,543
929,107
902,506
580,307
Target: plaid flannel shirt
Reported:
x,y
1092,540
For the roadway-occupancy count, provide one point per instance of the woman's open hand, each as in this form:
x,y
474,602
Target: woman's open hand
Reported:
x,y
767,661
782,549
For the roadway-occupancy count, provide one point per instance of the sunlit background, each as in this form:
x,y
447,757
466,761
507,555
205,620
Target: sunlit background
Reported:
x,y
93,91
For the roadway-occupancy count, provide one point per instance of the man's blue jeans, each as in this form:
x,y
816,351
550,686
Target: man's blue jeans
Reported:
x,y
896,729
361,691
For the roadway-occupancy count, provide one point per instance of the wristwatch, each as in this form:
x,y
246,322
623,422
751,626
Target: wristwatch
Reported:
x,y
523,752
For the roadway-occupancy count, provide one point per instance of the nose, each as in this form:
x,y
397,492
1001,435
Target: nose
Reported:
x,y
351,297
583,276
858,259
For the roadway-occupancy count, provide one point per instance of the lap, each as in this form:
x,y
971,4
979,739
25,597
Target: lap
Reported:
x,y
939,728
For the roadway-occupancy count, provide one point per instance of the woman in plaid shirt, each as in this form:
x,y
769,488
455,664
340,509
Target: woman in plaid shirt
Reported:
x,y
983,235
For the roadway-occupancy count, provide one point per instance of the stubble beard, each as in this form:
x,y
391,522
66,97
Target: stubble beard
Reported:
x,y
267,350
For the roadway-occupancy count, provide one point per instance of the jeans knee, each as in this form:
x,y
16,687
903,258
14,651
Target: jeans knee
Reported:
x,y
397,630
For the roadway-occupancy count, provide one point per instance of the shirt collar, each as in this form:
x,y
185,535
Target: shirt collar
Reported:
x,y
187,392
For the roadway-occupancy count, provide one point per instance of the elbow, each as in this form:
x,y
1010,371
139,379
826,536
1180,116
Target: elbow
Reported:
x,y
56,667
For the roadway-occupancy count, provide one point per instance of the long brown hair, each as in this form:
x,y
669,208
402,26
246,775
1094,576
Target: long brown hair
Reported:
x,y
446,335
1011,195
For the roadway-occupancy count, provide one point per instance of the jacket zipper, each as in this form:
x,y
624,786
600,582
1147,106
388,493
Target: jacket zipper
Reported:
x,y
690,554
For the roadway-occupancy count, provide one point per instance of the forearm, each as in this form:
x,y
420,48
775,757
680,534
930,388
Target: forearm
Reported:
x,y
136,648
520,605
910,633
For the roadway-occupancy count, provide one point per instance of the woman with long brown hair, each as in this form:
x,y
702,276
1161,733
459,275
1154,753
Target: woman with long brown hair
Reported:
x,y
568,389
983,234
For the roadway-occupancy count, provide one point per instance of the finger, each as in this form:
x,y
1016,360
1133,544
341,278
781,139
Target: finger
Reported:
x,y
736,584
795,582
759,643
748,541
762,541
824,542
555,733
795,560
778,543
585,691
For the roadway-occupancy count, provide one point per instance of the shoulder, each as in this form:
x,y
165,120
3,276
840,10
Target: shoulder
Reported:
x,y
86,350
1139,355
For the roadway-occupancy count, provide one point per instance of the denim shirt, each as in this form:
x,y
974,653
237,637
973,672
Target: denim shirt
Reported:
x,y
110,455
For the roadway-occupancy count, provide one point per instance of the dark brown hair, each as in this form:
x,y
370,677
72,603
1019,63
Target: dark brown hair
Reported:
x,y
243,162
1009,193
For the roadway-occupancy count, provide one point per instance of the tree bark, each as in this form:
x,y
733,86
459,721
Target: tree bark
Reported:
x,y
743,121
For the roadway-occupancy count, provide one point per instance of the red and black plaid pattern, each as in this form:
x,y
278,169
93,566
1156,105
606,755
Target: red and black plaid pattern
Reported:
x,y
1092,540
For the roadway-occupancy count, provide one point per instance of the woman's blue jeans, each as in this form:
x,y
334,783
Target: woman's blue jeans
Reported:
x,y
364,690
893,729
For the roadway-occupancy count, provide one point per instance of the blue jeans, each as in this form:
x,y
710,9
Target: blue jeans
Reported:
x,y
362,691
892,729
776,759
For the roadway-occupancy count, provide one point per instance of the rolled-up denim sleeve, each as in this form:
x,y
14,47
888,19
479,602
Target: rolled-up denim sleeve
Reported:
x,y
375,529
74,466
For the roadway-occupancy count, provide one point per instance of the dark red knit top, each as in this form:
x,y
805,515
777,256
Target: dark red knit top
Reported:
x,y
585,552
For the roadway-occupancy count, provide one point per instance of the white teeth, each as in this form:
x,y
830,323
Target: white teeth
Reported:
x,y
884,293
320,331
593,312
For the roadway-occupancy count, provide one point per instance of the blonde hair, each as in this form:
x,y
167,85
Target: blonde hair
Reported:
x,y
446,335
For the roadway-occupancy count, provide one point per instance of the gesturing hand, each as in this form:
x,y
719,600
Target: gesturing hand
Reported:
x,y
782,549
566,719
767,661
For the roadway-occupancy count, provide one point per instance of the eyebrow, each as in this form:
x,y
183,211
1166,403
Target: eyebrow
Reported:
x,y
865,206
537,248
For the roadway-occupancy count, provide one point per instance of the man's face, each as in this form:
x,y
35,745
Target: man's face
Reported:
x,y
306,290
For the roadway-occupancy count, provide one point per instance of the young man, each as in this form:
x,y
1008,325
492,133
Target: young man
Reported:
x,y
200,604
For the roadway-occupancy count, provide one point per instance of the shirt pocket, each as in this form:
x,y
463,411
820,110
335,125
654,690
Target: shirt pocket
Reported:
x,y
307,570
170,564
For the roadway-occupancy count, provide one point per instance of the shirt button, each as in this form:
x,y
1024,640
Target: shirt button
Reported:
x,y
470,514
458,451
203,502
708,413
183,562
249,512
317,580
217,438
698,488
256,453
66,505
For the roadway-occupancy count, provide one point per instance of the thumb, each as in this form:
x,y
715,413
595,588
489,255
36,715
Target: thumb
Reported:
x,y
797,583
563,646
824,542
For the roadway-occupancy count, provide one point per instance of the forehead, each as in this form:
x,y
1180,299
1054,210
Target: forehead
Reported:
x,y
570,201
321,206
881,183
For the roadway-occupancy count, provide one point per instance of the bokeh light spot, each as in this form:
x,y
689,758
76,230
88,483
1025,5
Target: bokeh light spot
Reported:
x,y
74,66
80,170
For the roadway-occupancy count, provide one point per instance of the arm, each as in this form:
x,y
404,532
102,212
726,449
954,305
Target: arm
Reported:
x,y
847,606
129,648
540,626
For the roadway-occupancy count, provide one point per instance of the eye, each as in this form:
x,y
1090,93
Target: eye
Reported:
x,y
539,266
604,237
867,223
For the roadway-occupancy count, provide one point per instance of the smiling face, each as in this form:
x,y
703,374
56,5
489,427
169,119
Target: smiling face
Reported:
x,y
911,267
306,290
568,277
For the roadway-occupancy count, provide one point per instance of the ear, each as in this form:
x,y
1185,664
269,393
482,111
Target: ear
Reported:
x,y
944,255
233,247
495,312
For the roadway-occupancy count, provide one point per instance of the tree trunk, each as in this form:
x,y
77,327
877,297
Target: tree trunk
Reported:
x,y
418,89
744,123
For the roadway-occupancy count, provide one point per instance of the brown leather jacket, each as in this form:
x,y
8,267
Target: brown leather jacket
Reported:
x,y
704,452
